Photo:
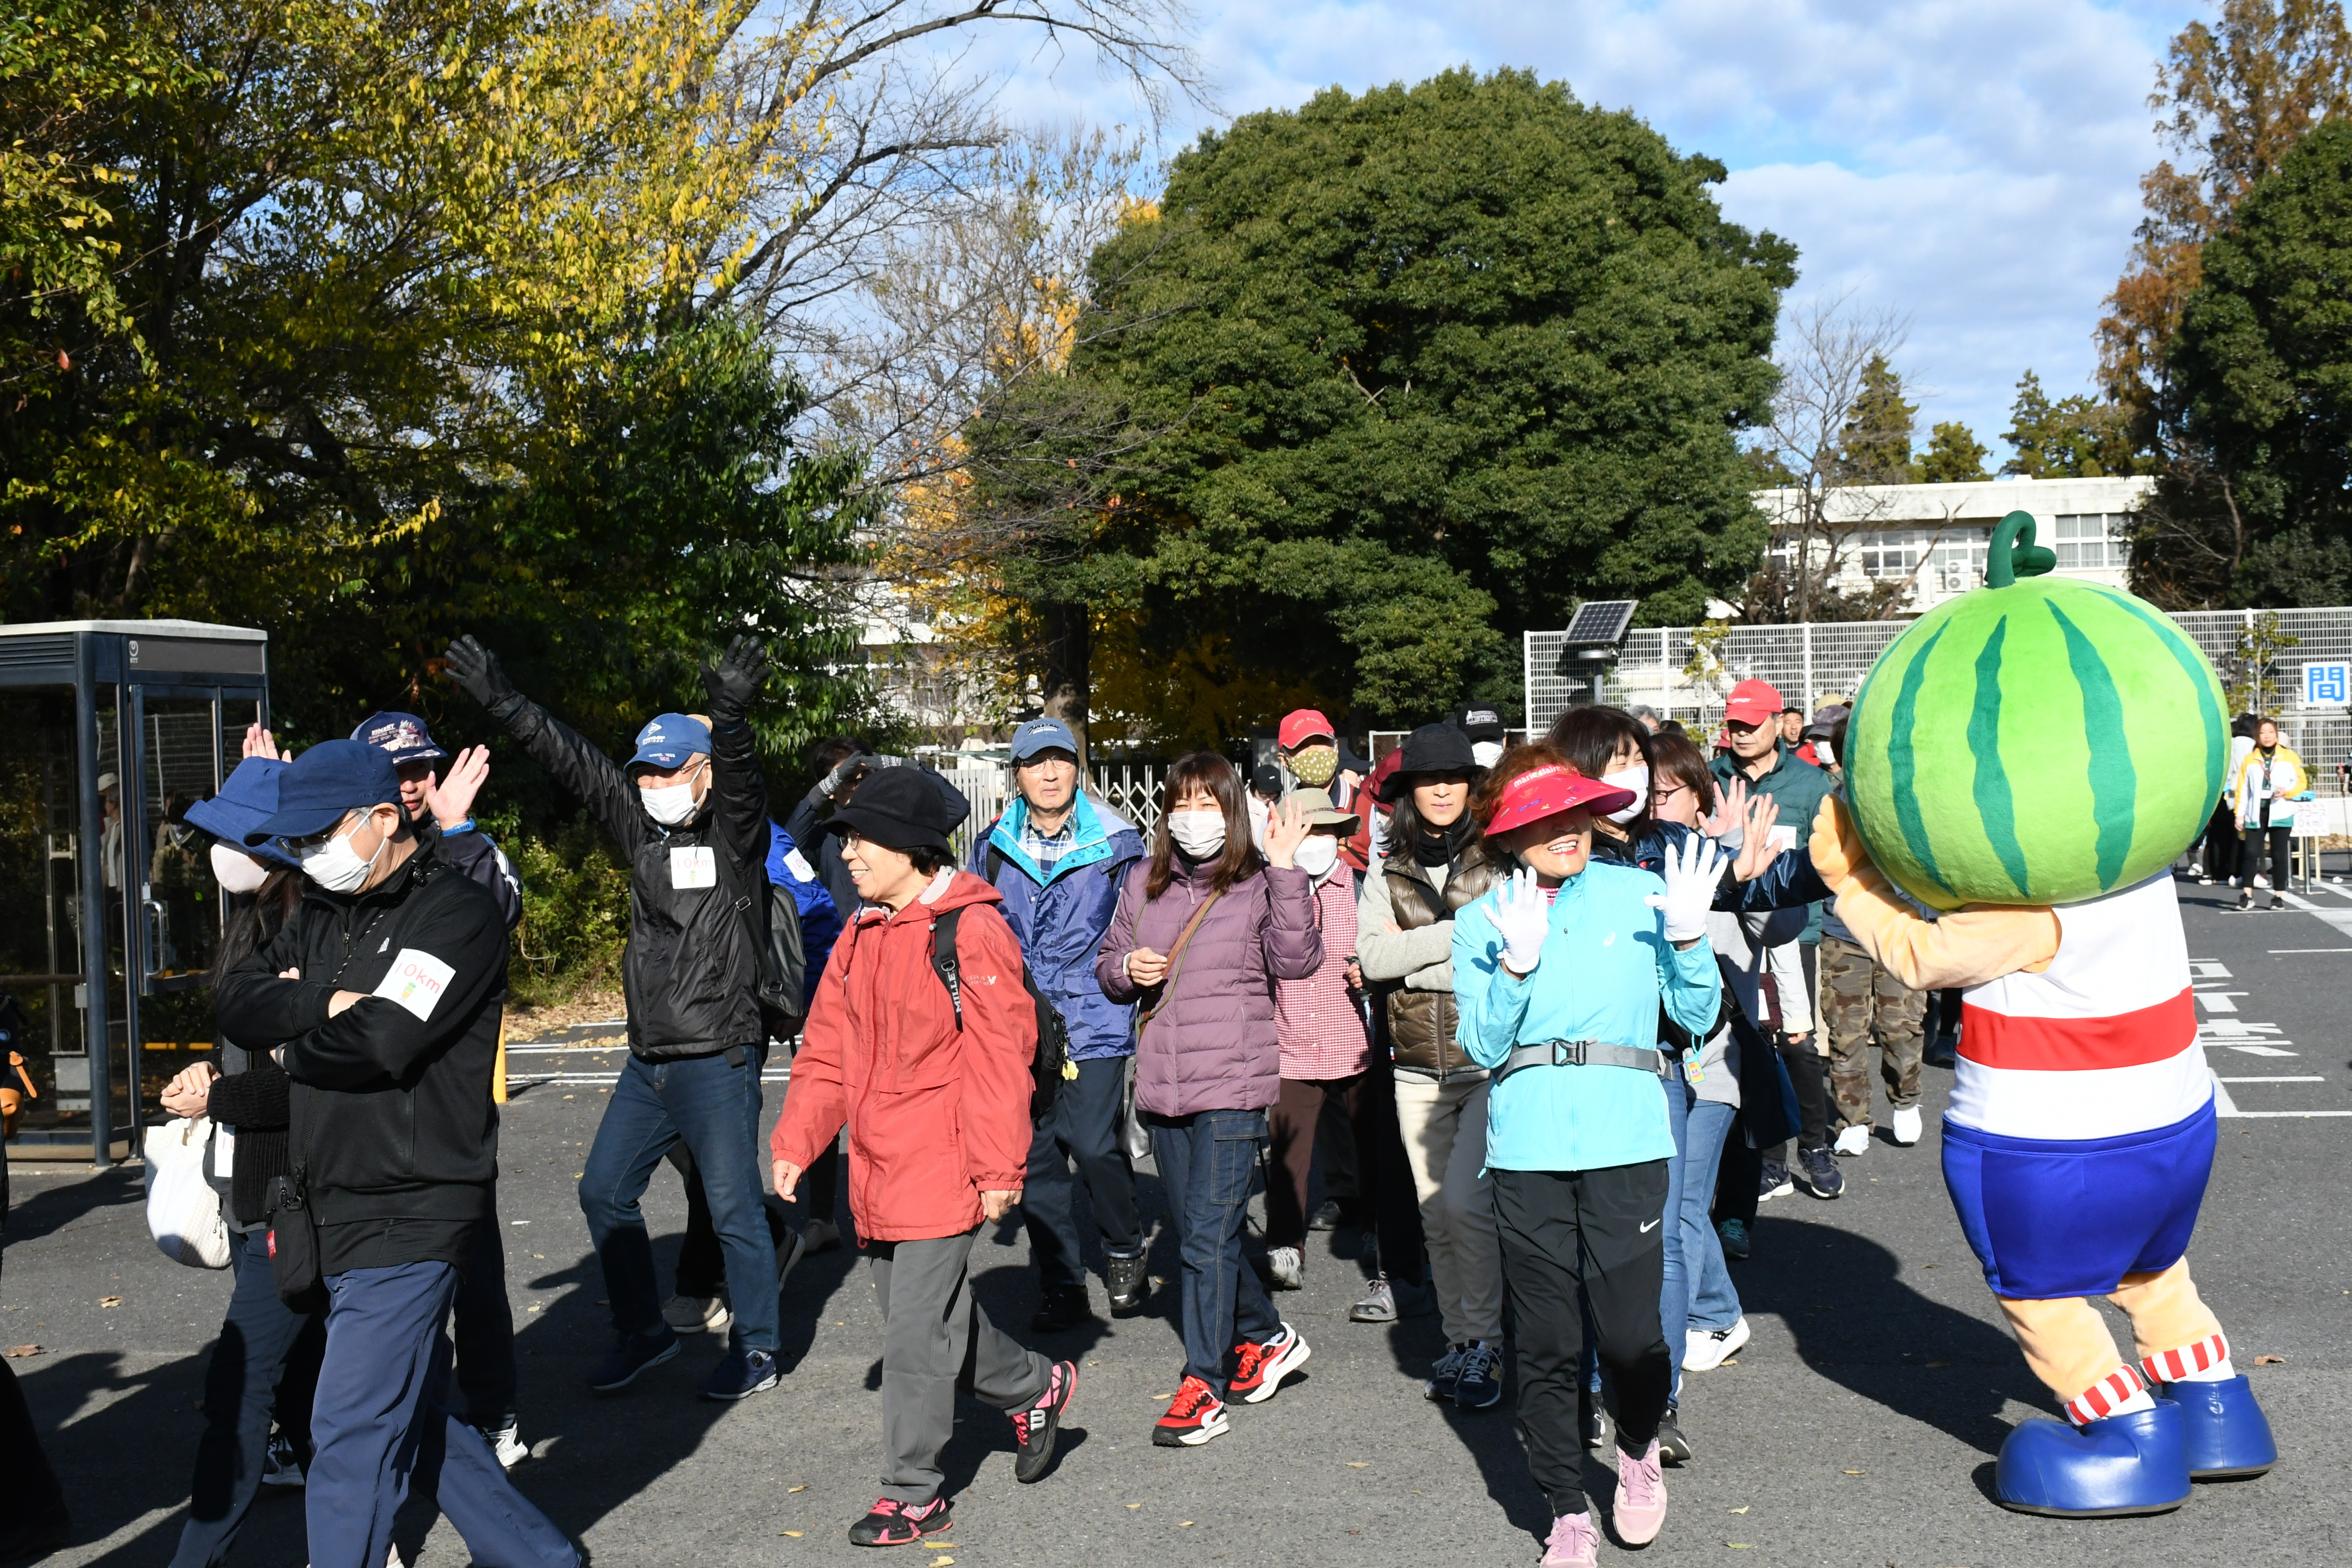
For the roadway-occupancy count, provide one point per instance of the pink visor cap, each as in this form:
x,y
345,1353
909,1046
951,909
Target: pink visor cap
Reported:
x,y
1548,791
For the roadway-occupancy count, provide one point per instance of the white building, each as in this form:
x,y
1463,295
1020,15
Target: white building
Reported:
x,y
1937,536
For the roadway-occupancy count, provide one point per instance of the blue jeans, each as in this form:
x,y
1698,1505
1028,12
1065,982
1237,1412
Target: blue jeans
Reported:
x,y
380,1431
1714,1302
241,1382
714,1105
1083,1127
1206,1161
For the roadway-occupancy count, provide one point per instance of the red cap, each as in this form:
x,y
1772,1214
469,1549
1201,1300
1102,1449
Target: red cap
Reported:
x,y
1753,702
1303,724
1548,791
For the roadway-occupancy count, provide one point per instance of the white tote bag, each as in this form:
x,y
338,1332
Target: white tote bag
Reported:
x,y
184,1209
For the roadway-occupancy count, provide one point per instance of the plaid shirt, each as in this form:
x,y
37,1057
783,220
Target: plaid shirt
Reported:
x,y
1047,848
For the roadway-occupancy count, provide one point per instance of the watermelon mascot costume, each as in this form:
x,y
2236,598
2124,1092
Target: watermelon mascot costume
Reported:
x,y
2028,759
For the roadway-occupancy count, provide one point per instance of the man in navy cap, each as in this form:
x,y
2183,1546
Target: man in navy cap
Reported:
x,y
1058,856
690,811
442,805
380,999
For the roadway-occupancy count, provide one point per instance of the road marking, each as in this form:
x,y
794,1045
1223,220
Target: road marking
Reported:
x,y
2298,1079
2219,1001
2278,950
2339,919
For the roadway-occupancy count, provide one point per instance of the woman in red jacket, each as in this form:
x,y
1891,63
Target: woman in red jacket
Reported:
x,y
938,1111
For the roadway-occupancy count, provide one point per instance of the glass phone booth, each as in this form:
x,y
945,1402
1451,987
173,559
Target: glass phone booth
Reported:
x,y
109,914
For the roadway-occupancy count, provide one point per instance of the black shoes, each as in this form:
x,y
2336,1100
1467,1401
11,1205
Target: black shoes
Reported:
x,y
1063,1309
1034,1428
1817,1171
1673,1449
1127,1281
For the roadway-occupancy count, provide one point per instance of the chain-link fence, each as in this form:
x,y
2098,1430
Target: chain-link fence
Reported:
x,y
1686,672
1131,789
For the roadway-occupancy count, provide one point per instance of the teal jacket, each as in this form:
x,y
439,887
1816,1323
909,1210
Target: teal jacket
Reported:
x,y
1604,970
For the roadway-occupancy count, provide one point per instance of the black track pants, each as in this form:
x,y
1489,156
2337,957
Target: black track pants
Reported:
x,y
1599,1233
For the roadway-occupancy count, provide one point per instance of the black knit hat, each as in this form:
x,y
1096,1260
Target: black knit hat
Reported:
x,y
1432,749
899,808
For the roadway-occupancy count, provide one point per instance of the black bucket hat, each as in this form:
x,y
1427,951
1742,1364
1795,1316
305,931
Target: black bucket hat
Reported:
x,y
1432,749
899,808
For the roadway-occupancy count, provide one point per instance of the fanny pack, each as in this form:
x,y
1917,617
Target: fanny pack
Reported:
x,y
1585,1053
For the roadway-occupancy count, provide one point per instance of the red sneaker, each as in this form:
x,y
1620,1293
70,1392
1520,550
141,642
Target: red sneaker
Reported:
x,y
1259,1369
896,1523
1193,1417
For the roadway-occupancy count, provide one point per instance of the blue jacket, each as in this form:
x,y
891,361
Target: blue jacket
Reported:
x,y
1605,968
820,919
1060,919
1788,882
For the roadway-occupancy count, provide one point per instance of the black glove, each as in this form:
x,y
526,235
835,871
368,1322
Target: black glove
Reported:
x,y
842,770
735,680
477,671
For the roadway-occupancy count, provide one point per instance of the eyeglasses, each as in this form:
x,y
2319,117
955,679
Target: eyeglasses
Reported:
x,y
1669,792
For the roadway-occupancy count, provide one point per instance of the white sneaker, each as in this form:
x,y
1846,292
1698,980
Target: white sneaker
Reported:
x,y
506,1443
1906,1126
1704,1350
1855,1140
2261,881
1285,1267
696,1314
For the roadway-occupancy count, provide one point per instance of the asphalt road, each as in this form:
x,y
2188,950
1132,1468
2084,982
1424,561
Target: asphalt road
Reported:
x,y
1857,1429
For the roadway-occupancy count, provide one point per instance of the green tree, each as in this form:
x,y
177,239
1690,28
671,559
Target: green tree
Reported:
x,y
1874,447
2076,438
1954,456
2264,368
1383,381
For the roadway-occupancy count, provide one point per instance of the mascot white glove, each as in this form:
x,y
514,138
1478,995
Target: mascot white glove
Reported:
x,y
1522,918
1691,872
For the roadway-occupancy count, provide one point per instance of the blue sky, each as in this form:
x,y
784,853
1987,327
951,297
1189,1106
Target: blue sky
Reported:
x,y
1974,164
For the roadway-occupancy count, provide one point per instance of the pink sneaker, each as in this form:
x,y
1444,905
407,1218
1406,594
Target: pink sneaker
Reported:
x,y
1641,1508
1574,1542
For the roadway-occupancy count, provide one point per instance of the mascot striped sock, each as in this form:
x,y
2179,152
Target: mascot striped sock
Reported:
x,y
2207,1361
2119,1392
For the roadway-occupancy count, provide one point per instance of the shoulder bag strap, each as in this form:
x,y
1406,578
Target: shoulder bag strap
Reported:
x,y
1175,958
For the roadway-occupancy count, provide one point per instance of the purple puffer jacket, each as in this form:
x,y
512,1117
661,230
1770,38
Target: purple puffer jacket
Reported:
x,y
1212,1048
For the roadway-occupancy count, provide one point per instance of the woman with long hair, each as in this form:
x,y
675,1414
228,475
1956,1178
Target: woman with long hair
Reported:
x,y
1561,975
1205,927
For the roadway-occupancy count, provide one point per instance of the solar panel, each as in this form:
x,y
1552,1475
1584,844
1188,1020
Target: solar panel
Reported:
x,y
1601,623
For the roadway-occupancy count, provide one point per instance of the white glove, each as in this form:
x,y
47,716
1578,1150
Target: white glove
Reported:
x,y
1523,919
1691,872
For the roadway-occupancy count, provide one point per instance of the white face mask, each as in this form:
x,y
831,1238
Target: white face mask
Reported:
x,y
1199,834
1827,754
1637,779
1485,754
335,866
672,806
1316,854
237,871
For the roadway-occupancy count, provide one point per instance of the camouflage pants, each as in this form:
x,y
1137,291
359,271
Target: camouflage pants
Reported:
x,y
1861,1002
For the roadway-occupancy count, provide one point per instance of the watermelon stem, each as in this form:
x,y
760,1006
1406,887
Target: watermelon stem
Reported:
x,y
2014,554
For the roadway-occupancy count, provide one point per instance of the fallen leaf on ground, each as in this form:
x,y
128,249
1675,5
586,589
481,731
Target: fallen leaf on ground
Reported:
x,y
1183,1524
802,1488
942,1562
2269,1360
794,1534
1741,1545
1743,1508
1135,1505
109,1300
1160,1396
1359,1464
1857,1472
23,1353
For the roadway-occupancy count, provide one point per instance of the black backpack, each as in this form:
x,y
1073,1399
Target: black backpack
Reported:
x,y
1051,1065
776,923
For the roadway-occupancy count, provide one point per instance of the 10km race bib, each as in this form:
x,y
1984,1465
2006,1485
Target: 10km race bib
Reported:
x,y
417,980
694,865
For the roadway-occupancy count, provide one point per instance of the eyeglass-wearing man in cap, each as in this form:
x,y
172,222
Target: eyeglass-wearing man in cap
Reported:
x,y
690,811
380,999
1057,857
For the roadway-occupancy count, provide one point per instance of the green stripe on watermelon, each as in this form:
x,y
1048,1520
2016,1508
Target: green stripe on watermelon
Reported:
x,y
2200,670
2115,788
1995,808
1903,754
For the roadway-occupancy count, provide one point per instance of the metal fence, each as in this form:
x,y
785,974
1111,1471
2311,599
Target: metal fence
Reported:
x,y
1131,789
1812,663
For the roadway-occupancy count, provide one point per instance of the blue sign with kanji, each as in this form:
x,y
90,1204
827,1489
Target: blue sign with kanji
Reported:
x,y
2327,684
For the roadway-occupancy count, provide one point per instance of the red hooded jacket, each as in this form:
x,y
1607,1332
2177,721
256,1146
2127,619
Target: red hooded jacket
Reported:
x,y
936,1117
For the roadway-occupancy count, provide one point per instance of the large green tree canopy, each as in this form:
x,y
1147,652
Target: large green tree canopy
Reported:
x,y
2263,366
1408,372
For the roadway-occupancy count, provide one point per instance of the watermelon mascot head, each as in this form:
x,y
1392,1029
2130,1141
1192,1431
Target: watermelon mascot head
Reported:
x,y
2039,740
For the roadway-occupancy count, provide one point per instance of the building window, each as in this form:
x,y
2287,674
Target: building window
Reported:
x,y
2092,540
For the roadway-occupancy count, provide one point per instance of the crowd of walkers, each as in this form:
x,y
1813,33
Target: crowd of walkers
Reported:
x,y
1545,1022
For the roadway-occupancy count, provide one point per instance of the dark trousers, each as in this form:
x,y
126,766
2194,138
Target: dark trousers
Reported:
x,y
1573,1244
382,1432
1081,1130
1293,1121
713,1106
2251,858
483,1324
32,1486
1809,1074
1386,1196
701,1261
1737,1178
266,1359
2221,844
1206,1162
932,1329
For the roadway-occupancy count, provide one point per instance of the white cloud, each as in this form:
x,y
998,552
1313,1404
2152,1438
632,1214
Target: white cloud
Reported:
x,y
1974,164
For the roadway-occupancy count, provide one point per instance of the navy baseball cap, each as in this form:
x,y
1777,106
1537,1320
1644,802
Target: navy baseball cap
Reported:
x,y
669,740
323,784
1043,736
246,801
402,734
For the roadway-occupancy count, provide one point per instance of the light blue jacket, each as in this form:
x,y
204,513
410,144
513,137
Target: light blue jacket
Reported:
x,y
1605,967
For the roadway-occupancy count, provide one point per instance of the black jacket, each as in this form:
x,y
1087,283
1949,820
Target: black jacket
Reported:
x,y
391,1113
475,855
691,972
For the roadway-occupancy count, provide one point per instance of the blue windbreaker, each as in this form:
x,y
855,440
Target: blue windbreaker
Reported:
x,y
820,919
1060,918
